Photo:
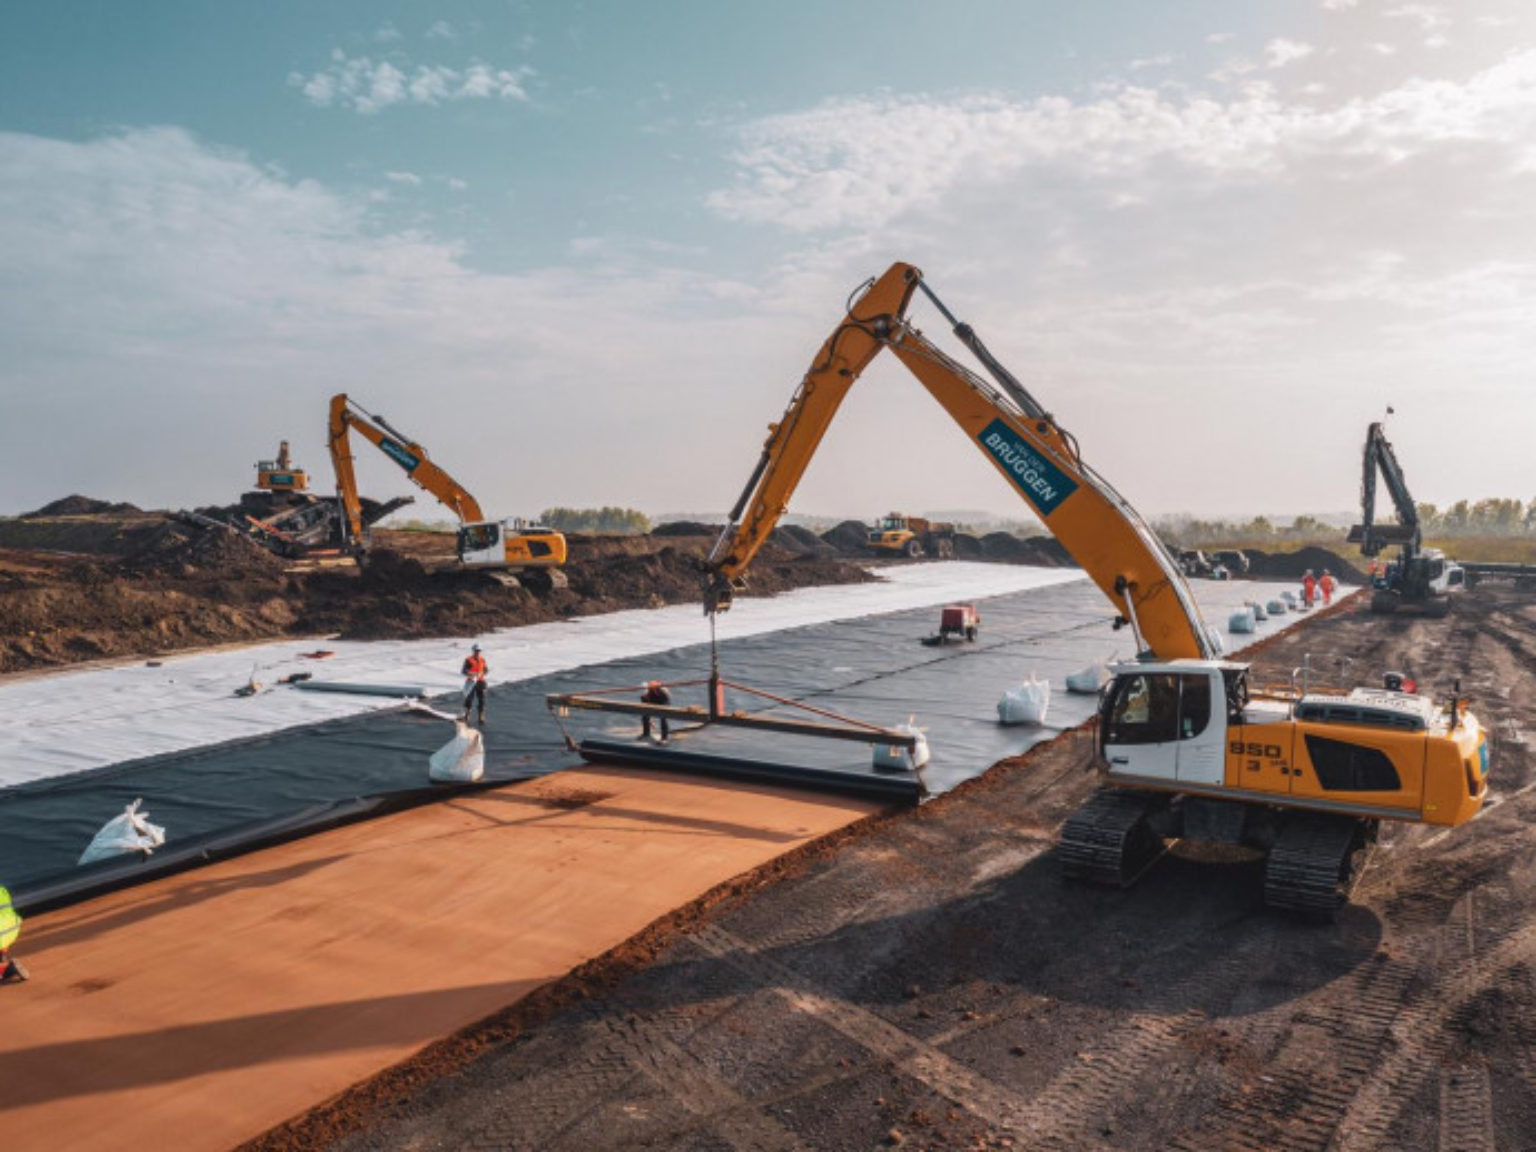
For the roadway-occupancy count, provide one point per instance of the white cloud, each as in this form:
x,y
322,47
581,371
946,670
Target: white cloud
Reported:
x,y
387,34
441,30
370,86
1160,61
1279,53
455,183
1221,37
404,178
1381,48
1429,17
1338,5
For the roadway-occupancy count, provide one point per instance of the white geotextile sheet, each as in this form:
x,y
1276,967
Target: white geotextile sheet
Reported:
x,y
53,725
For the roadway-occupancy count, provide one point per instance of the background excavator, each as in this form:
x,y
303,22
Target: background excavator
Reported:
x,y
1420,579
495,546
1187,747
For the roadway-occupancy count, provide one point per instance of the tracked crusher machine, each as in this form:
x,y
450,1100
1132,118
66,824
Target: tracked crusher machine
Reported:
x,y
1188,746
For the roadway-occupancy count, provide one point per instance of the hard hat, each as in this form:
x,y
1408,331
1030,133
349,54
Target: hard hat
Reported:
x,y
653,683
474,647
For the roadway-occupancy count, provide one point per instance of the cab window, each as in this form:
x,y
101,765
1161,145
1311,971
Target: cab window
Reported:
x,y
1144,710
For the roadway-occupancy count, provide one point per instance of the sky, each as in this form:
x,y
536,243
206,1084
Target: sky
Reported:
x,y
583,252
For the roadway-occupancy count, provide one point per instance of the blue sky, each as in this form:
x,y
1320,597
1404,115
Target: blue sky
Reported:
x,y
583,251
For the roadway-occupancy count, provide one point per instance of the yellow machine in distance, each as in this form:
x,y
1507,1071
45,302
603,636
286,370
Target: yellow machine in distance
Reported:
x,y
280,475
536,550
1188,747
897,534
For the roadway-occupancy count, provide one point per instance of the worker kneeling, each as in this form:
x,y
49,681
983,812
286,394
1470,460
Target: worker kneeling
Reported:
x,y
655,693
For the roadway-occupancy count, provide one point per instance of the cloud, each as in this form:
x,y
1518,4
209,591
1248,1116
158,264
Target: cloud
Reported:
x,y
1429,17
1221,37
404,178
369,86
1279,53
441,30
1161,61
1338,5
455,184
387,33
872,159
229,301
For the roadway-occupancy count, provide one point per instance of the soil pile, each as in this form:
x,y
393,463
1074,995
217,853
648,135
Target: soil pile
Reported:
x,y
1040,551
1291,565
849,537
182,550
686,528
801,541
176,586
81,506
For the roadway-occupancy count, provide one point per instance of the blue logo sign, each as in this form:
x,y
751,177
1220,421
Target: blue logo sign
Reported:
x,y
1044,485
399,455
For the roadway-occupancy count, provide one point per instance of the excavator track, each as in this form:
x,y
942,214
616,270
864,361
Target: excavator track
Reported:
x,y
1109,840
1311,866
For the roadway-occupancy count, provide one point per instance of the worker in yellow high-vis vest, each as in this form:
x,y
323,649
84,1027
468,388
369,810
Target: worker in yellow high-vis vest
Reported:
x,y
11,970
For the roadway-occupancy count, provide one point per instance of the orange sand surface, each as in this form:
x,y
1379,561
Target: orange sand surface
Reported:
x,y
199,1011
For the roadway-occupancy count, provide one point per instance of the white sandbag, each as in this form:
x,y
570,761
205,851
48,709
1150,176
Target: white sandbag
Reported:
x,y
1258,612
1241,621
1289,598
1276,607
893,759
122,835
1025,704
461,760
1089,680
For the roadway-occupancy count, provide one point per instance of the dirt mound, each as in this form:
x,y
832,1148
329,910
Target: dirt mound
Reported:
x,y
1039,551
183,550
686,528
1291,565
801,541
81,506
967,547
850,538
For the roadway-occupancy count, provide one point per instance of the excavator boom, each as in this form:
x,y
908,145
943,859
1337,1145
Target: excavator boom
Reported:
x,y
411,456
1101,531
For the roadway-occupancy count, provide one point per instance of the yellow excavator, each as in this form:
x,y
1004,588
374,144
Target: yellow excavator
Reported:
x,y
1187,746
496,546
281,475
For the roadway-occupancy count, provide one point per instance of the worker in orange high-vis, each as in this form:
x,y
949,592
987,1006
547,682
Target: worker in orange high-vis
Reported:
x,y
1308,587
1326,584
11,970
474,672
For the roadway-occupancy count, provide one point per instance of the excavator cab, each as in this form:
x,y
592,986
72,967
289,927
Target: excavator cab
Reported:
x,y
503,543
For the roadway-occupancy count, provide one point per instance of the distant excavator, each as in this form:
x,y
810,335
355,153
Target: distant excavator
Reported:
x,y
498,547
1188,746
1420,579
280,475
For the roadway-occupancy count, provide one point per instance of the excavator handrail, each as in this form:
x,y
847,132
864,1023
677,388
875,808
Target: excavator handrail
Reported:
x,y
1097,526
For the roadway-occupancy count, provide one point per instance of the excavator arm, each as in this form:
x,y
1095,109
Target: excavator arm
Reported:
x,y
411,456
1102,532
1373,537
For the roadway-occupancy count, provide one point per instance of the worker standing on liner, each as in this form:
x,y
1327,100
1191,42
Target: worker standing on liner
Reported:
x,y
11,969
1327,584
474,672
1308,587
655,693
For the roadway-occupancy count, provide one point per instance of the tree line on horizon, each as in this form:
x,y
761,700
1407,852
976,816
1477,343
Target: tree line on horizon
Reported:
x,y
1465,518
